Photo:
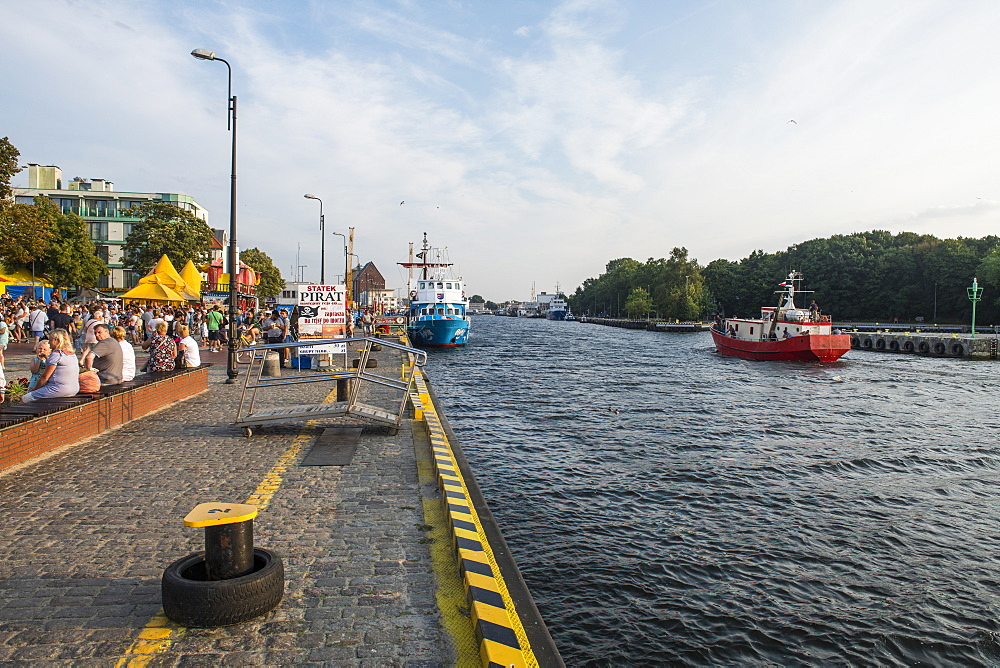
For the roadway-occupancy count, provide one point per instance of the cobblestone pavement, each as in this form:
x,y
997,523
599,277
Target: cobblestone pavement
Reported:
x,y
86,533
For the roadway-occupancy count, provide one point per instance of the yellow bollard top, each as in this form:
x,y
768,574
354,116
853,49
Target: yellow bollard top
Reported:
x,y
213,514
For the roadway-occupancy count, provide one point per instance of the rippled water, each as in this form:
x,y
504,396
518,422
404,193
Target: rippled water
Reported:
x,y
735,512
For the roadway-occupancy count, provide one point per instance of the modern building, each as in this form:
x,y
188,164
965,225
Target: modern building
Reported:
x,y
104,210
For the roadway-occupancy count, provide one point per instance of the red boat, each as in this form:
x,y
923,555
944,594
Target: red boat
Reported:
x,y
784,332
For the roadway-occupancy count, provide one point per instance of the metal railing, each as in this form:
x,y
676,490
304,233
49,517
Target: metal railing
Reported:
x,y
348,401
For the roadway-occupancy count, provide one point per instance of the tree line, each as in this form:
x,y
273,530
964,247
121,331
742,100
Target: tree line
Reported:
x,y
867,276
42,238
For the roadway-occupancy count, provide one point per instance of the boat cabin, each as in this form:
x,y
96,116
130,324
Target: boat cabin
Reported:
x,y
781,322
438,298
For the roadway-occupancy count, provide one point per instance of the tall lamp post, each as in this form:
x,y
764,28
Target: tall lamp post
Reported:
x,y
345,251
350,288
322,240
234,269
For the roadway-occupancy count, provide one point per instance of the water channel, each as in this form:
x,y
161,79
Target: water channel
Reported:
x,y
670,506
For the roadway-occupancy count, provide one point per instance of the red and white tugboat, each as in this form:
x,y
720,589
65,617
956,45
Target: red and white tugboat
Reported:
x,y
785,332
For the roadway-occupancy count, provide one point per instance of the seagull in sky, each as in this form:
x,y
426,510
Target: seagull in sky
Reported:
x,y
402,203
791,121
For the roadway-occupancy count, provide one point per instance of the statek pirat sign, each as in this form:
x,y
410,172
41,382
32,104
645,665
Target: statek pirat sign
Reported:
x,y
322,315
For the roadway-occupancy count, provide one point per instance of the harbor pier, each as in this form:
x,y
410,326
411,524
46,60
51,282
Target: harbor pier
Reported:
x,y
936,344
649,325
391,557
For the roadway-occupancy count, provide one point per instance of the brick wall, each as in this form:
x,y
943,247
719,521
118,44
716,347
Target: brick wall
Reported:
x,y
21,441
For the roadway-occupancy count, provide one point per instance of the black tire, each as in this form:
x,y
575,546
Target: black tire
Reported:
x,y
894,345
880,344
907,346
924,347
939,348
958,350
190,600
867,344
370,364
855,342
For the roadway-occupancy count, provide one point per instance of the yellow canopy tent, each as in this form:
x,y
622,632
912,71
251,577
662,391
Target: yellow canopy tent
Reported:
x,y
163,283
165,274
153,291
192,277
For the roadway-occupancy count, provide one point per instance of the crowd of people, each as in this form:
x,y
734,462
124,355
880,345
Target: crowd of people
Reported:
x,y
71,342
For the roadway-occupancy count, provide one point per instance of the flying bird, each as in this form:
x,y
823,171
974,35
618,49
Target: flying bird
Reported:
x,y
402,203
791,121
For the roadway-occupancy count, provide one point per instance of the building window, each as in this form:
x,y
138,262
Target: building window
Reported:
x,y
23,199
98,231
131,279
127,229
103,252
66,205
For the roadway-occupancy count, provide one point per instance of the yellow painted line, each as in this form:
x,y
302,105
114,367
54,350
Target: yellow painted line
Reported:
x,y
160,632
502,623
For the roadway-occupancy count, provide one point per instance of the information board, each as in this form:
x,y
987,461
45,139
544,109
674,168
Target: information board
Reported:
x,y
322,315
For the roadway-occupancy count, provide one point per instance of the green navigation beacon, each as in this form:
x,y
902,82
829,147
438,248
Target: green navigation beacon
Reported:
x,y
975,294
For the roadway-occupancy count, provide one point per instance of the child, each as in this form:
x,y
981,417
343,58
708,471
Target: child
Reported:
x,y
39,363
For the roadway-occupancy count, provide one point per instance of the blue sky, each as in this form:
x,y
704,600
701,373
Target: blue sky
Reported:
x,y
536,140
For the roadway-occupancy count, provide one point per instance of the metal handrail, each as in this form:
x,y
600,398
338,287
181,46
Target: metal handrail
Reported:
x,y
258,353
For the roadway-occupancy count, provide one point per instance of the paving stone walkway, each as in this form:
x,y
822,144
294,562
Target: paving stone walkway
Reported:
x,y
86,533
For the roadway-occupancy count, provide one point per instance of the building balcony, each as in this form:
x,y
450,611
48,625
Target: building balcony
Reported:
x,y
100,213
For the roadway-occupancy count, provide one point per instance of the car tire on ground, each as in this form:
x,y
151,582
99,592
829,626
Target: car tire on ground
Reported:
x,y
191,600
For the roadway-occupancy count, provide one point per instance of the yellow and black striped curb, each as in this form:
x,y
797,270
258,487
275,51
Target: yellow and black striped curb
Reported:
x,y
502,638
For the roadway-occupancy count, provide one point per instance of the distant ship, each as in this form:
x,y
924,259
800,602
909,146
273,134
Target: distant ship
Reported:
x,y
557,309
784,332
438,315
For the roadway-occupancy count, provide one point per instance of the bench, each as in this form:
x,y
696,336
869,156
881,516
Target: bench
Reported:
x,y
28,430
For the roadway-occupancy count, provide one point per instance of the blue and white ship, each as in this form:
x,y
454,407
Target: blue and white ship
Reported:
x,y
438,313
557,309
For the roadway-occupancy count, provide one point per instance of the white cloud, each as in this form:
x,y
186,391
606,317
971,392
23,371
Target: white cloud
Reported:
x,y
599,130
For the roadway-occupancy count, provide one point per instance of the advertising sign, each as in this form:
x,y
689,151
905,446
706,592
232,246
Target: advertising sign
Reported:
x,y
390,324
322,315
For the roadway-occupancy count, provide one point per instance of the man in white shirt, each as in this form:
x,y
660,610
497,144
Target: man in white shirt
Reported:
x,y
36,323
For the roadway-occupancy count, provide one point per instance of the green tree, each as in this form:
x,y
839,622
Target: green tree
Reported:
x,y
165,229
24,234
73,260
638,303
271,283
9,157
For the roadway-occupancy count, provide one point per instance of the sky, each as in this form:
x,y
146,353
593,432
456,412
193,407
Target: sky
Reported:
x,y
536,140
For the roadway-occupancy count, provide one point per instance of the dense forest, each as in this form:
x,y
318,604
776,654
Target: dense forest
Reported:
x,y
867,276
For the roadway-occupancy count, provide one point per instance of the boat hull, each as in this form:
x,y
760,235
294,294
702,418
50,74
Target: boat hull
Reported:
x,y
443,333
809,348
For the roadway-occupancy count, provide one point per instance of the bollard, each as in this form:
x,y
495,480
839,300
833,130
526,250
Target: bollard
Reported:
x,y
232,581
272,364
228,537
343,389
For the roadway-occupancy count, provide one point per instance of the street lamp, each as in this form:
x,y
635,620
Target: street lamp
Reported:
x,y
322,240
350,288
205,54
345,251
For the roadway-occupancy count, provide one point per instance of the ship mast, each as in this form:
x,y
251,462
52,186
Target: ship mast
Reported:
x,y
424,250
